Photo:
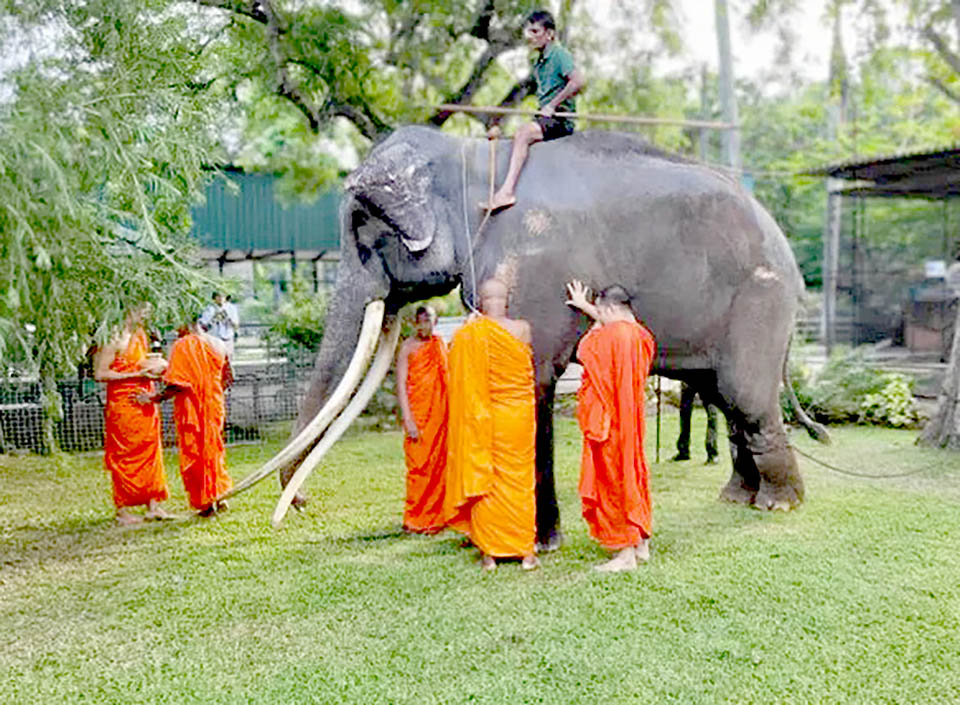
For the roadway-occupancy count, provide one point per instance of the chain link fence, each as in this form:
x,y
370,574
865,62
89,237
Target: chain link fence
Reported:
x,y
268,388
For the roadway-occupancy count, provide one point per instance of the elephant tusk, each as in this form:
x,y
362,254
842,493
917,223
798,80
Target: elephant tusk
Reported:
x,y
378,370
369,335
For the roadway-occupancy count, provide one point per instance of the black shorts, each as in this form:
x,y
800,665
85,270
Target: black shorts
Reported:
x,y
554,128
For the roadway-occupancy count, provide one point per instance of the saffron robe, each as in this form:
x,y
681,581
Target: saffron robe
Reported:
x,y
614,477
198,409
490,467
132,444
427,455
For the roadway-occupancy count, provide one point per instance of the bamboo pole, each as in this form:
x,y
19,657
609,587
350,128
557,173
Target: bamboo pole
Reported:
x,y
626,119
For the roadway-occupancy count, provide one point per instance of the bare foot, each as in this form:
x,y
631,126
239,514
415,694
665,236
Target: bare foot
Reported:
x,y
208,511
530,562
488,564
125,518
499,202
625,559
158,513
643,551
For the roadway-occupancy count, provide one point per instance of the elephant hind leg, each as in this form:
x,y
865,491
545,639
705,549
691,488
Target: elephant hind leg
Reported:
x,y
781,486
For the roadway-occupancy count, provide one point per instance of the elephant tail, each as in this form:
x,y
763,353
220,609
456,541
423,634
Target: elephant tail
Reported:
x,y
817,431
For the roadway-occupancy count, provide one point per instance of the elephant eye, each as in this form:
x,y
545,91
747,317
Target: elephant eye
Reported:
x,y
364,253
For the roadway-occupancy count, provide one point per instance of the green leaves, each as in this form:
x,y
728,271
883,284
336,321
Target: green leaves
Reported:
x,y
102,150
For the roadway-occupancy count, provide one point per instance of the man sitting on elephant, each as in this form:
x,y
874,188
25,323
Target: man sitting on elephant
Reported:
x,y
557,80
492,436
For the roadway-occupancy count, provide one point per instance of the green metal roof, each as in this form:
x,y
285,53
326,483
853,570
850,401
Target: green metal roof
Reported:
x,y
253,220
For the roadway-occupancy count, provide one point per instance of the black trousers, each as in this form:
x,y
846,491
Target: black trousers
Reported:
x,y
687,395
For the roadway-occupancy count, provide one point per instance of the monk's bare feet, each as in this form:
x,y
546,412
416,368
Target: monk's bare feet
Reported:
x,y
208,511
488,564
157,513
125,518
530,562
643,551
625,559
499,201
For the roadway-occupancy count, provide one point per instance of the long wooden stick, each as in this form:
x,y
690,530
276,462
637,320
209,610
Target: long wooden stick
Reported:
x,y
626,119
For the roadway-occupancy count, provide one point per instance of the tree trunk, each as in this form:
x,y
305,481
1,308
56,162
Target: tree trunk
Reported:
x,y
836,116
52,405
728,99
943,430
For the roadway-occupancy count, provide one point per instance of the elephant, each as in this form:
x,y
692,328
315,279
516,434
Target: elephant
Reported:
x,y
711,276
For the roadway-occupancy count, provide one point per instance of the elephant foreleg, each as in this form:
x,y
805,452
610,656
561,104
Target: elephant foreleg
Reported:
x,y
548,512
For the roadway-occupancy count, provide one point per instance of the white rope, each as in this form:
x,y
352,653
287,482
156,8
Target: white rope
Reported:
x,y
466,226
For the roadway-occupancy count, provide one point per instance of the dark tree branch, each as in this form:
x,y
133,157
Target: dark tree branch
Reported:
x,y
942,48
250,8
481,26
498,41
944,88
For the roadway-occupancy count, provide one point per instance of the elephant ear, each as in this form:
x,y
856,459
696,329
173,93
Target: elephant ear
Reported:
x,y
396,181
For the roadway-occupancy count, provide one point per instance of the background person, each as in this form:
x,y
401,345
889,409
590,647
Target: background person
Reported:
x,y
422,382
687,394
614,479
222,320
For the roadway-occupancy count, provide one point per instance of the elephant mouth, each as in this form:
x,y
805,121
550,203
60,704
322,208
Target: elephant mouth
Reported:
x,y
379,334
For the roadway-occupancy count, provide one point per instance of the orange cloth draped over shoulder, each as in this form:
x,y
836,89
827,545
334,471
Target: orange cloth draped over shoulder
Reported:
x,y
490,468
614,478
197,368
427,455
132,446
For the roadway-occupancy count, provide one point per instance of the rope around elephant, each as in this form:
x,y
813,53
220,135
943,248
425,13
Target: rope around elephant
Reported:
x,y
852,473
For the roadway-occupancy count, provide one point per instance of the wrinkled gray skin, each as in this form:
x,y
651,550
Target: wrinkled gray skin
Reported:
x,y
711,274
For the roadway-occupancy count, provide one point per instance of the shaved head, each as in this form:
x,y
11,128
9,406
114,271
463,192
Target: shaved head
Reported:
x,y
493,297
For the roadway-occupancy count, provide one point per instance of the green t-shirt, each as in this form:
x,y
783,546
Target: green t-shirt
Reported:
x,y
552,70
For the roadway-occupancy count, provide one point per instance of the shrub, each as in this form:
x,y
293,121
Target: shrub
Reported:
x,y
848,390
297,324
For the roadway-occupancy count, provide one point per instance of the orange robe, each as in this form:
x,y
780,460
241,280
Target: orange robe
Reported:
x,y
427,455
490,467
198,409
132,445
614,478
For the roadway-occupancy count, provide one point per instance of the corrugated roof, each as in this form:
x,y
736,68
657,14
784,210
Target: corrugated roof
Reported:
x,y
930,174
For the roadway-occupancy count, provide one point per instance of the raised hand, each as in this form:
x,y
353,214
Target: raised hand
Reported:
x,y
579,295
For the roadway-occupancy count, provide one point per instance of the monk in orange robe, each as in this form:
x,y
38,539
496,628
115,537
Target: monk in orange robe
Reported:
x,y
194,379
614,479
490,468
132,446
422,393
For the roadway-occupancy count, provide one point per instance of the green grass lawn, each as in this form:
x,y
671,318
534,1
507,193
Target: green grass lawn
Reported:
x,y
851,598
